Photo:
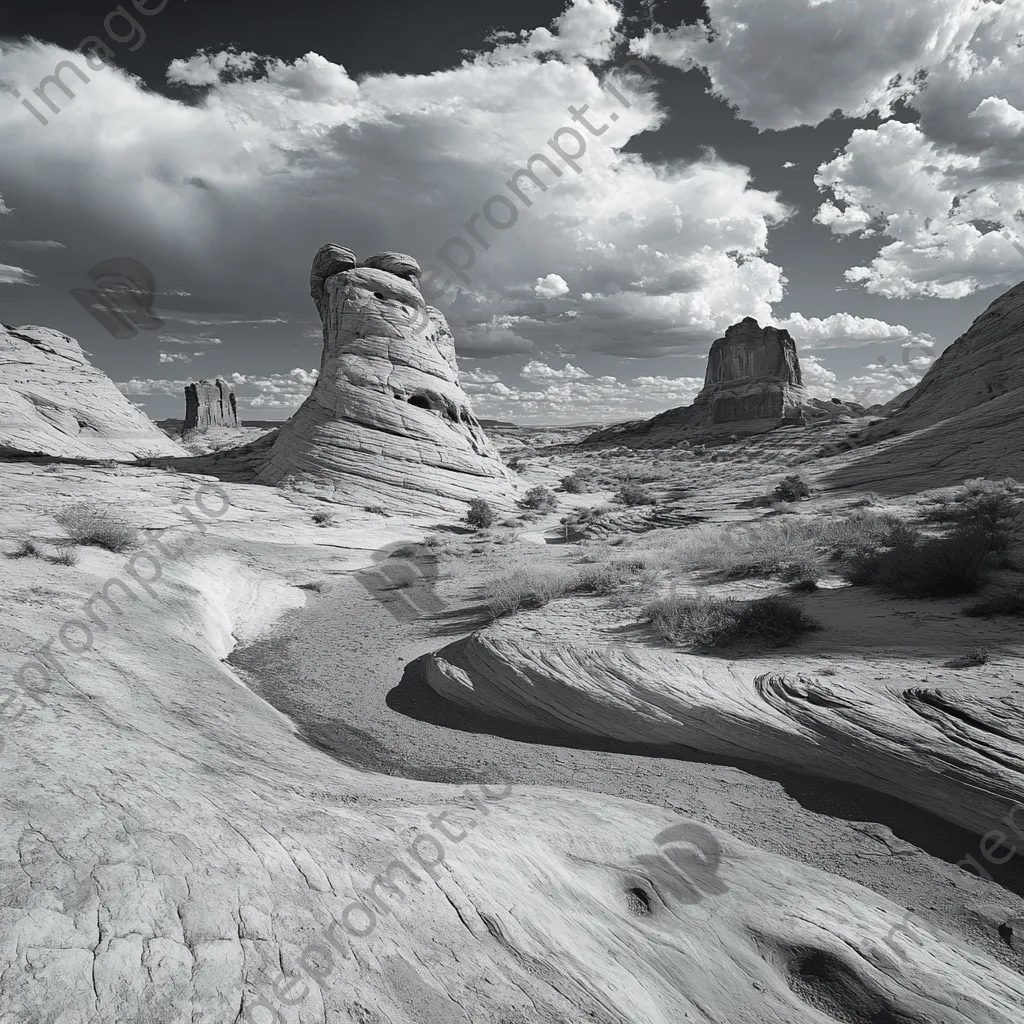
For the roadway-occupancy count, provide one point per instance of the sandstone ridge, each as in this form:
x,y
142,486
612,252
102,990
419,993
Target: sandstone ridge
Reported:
x,y
53,401
387,417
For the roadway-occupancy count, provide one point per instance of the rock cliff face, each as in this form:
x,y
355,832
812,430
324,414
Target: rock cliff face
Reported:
x,y
54,402
983,363
387,419
753,374
753,383
209,405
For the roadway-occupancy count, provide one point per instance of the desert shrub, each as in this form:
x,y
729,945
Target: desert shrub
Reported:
x,y
26,549
865,531
542,499
633,493
576,483
480,514
527,586
67,554
517,463
791,488
376,510
925,566
323,518
1007,602
709,622
85,525
974,657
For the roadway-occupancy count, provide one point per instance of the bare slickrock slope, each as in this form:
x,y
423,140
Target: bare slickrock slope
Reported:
x,y
209,405
54,402
171,850
387,418
985,362
753,383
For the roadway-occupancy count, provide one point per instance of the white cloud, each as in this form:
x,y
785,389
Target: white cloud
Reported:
x,y
535,370
844,330
550,287
174,339
788,164
670,255
14,275
171,357
37,246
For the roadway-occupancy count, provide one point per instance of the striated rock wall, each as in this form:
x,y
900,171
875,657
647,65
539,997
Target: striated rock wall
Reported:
x,y
387,417
210,405
753,374
53,401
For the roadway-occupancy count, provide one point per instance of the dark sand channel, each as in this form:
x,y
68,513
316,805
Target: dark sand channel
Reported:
x,y
345,670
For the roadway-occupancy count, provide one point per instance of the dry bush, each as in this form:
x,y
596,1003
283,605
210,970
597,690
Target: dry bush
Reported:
x,y
26,549
708,623
633,493
791,488
480,514
67,554
540,498
527,586
925,566
575,483
85,525
323,518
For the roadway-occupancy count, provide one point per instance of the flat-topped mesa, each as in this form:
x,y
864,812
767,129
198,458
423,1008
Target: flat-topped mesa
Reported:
x,y
210,405
387,418
753,375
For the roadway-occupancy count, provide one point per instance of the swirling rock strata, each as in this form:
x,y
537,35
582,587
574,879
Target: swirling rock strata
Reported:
x,y
387,418
53,401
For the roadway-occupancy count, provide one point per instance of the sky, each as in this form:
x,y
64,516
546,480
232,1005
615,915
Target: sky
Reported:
x,y
848,170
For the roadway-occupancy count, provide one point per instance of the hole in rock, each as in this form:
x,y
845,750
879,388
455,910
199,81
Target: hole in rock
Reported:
x,y
638,902
377,295
419,401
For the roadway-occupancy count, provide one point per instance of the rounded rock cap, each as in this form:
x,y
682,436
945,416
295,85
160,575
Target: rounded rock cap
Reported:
x,y
397,263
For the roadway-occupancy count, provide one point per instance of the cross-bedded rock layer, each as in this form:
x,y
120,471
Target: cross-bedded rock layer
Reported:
x,y
387,418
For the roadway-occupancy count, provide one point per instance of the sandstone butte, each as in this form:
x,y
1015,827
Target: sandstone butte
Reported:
x,y
54,402
387,421
209,405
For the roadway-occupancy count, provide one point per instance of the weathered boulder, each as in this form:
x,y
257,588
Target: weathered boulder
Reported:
x,y
387,419
53,401
209,405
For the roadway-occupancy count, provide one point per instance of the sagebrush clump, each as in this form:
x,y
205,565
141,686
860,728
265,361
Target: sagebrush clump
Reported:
x,y
633,493
89,526
480,514
542,499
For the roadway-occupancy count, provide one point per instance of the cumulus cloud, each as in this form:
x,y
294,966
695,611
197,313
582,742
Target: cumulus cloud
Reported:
x,y
550,287
15,275
176,357
844,330
668,254
535,370
943,188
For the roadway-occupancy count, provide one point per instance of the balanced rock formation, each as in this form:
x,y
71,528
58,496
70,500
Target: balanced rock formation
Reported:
x,y
983,363
387,418
209,405
53,401
753,383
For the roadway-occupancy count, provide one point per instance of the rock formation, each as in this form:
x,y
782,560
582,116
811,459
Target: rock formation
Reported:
x,y
209,405
753,383
387,418
983,363
54,402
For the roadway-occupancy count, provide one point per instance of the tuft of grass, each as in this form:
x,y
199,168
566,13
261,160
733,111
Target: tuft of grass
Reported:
x,y
323,518
925,567
528,586
26,549
1007,602
85,525
542,499
709,623
480,514
67,554
634,493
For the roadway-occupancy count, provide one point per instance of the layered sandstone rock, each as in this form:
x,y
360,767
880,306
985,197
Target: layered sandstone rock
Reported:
x,y
209,405
387,419
753,383
983,363
53,401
